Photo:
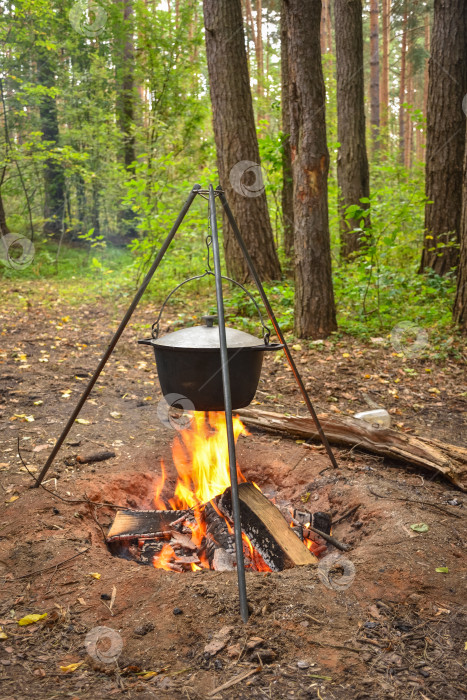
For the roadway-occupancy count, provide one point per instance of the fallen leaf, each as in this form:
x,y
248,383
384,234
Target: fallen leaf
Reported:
x,y
95,575
39,448
82,421
29,619
71,667
2,634
419,527
115,414
38,403
81,601
442,570
12,499
23,417
219,641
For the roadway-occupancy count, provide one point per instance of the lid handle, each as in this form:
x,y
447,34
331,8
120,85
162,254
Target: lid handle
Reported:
x,y
209,320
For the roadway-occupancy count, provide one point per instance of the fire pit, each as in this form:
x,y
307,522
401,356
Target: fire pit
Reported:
x,y
193,529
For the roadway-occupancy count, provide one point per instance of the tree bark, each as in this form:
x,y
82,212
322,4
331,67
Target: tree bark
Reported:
x,y
445,136
259,47
402,86
384,85
126,108
315,314
3,224
54,176
287,179
374,72
352,161
460,304
236,142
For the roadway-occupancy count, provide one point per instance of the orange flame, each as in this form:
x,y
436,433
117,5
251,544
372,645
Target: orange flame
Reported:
x,y
201,458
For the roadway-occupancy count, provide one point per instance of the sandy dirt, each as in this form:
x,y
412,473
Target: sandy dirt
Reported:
x,y
395,630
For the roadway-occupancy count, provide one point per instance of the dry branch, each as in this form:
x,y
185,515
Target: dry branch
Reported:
x,y
447,460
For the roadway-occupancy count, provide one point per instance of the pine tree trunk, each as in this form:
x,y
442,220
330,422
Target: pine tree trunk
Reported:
x,y
352,161
323,28
3,224
445,136
54,176
126,109
408,126
259,47
419,150
460,304
315,314
374,72
427,61
328,26
402,86
236,142
384,85
287,180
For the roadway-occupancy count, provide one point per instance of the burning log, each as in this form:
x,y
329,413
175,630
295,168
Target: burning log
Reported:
x,y
267,529
131,523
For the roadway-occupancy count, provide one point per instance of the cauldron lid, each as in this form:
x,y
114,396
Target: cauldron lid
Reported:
x,y
206,337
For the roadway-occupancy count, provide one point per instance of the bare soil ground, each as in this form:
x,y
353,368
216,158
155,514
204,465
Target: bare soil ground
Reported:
x,y
398,631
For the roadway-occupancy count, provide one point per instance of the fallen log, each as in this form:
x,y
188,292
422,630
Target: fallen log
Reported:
x,y
447,460
95,457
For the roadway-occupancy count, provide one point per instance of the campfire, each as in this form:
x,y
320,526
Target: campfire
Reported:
x,y
193,528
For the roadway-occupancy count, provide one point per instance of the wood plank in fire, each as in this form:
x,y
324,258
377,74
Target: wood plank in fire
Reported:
x,y
267,529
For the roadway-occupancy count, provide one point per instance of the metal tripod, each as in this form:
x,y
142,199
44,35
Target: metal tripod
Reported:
x,y
211,194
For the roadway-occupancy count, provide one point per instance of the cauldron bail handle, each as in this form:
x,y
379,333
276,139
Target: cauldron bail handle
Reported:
x,y
155,326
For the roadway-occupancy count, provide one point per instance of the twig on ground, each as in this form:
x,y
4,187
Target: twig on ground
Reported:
x,y
234,681
412,500
332,540
346,515
47,568
68,500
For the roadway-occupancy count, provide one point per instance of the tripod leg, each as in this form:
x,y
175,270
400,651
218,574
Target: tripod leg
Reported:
x,y
228,412
116,336
273,319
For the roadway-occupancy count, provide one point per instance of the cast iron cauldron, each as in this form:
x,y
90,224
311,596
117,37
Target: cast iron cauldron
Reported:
x,y
189,364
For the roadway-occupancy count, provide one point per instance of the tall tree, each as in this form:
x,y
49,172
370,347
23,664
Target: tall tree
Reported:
x,y
445,135
238,158
460,304
352,161
384,84
315,314
126,108
374,71
54,176
259,47
402,83
287,180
